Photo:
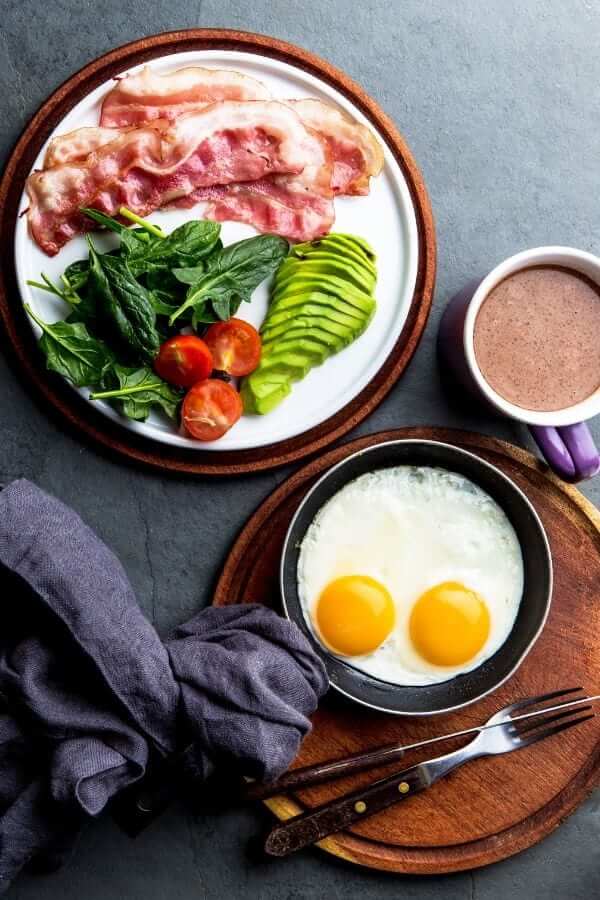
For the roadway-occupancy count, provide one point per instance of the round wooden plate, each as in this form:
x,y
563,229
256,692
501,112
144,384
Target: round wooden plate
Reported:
x,y
80,414
493,807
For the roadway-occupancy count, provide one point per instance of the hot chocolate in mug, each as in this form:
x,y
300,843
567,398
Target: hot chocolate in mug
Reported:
x,y
561,434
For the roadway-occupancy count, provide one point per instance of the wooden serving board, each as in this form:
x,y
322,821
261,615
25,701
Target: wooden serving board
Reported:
x,y
58,397
493,807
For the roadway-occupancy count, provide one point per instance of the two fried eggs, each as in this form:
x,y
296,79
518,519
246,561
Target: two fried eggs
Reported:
x,y
412,574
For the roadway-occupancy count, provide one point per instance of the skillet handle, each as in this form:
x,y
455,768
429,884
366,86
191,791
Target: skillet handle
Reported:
x,y
314,825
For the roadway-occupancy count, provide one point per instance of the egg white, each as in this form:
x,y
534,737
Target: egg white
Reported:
x,y
411,528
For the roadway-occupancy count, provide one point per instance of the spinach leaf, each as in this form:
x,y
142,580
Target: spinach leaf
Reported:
x,y
160,303
77,273
149,246
131,238
138,391
124,306
231,276
161,281
71,351
191,242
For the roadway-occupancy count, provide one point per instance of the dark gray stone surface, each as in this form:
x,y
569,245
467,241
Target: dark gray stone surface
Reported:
x,y
500,104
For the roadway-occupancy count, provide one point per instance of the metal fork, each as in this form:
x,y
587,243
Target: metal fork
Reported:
x,y
500,734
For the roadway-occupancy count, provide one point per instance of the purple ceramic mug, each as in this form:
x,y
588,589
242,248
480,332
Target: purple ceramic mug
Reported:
x,y
562,436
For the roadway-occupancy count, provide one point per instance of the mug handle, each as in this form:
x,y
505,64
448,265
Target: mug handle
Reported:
x,y
569,450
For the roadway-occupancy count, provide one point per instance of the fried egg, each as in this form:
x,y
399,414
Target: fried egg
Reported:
x,y
412,574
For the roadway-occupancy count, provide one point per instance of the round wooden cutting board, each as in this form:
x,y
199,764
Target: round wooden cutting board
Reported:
x,y
493,807
133,442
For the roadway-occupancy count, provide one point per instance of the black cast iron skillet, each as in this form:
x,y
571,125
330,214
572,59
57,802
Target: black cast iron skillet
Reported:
x,y
533,610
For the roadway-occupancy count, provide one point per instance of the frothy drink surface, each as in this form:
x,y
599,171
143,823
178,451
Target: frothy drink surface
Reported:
x,y
537,338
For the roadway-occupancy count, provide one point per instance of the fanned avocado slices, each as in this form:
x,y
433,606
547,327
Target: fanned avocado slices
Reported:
x,y
337,243
316,326
322,306
334,342
322,300
291,291
325,263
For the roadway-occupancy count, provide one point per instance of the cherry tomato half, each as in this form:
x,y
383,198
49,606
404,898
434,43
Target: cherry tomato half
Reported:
x,y
210,408
235,346
183,360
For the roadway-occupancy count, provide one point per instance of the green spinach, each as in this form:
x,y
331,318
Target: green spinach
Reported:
x,y
149,247
138,391
124,307
72,352
231,276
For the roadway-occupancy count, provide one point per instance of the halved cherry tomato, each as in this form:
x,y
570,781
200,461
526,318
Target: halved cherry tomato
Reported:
x,y
183,360
210,408
235,346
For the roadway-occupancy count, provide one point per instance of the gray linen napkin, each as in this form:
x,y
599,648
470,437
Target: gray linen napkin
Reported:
x,y
88,692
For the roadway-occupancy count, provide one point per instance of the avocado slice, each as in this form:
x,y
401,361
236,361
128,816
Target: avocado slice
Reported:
x,y
308,324
294,359
262,404
355,271
322,264
340,245
330,284
261,387
300,344
346,241
295,367
351,317
359,242
332,341
359,245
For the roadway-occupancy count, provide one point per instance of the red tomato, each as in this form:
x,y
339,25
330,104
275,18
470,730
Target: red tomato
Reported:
x,y
183,360
210,408
235,346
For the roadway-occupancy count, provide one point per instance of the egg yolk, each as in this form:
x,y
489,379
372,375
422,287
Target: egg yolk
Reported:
x,y
354,614
449,624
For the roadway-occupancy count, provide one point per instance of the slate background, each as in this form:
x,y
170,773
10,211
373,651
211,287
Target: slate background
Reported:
x,y
500,104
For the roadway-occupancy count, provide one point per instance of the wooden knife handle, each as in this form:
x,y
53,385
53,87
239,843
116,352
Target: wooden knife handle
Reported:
x,y
313,826
321,772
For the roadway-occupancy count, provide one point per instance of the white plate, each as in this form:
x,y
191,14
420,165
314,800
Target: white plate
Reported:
x,y
386,218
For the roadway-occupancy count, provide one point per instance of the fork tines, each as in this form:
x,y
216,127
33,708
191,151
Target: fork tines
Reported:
x,y
540,726
543,698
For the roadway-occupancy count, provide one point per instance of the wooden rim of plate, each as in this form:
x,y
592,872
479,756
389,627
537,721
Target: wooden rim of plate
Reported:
x,y
79,414
526,799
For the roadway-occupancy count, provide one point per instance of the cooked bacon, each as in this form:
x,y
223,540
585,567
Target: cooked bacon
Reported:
x,y
356,152
76,145
145,169
299,207
147,95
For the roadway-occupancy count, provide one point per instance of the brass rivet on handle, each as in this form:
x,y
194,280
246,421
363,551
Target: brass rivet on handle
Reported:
x,y
404,787
360,806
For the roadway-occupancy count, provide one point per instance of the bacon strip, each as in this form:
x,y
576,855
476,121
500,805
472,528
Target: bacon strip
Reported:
x,y
356,152
147,95
296,205
76,145
144,168
299,207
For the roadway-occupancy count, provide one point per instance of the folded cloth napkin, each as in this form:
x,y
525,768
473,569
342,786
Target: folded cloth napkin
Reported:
x,y
89,693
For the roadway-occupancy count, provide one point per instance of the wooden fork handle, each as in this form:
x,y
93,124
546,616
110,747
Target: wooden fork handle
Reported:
x,y
321,772
313,826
